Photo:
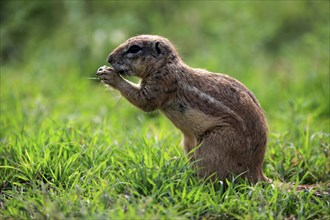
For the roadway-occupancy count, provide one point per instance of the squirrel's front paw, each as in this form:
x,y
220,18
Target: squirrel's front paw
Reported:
x,y
107,75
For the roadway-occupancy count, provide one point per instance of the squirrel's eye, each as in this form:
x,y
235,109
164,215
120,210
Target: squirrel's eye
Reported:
x,y
134,49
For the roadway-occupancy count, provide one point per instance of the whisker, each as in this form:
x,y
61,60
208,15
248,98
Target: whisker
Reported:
x,y
92,78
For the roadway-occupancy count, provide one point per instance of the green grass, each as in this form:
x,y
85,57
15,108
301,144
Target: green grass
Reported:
x,y
71,149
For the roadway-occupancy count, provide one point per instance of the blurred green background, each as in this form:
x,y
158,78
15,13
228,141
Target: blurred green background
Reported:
x,y
280,50
51,49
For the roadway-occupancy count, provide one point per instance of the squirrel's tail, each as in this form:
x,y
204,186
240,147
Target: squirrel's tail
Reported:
x,y
318,189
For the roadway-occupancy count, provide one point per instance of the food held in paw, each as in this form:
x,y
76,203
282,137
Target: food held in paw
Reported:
x,y
103,69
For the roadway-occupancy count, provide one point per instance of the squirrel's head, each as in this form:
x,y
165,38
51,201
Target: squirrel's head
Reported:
x,y
142,55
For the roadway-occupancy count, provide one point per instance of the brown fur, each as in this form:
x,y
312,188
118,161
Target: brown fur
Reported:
x,y
222,122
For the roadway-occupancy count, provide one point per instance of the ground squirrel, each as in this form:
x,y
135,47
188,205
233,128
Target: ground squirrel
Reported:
x,y
224,127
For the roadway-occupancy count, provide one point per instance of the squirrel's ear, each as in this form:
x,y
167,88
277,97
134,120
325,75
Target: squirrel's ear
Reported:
x,y
158,48
161,48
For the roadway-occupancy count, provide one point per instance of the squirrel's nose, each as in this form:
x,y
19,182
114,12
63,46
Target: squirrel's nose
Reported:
x,y
110,59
